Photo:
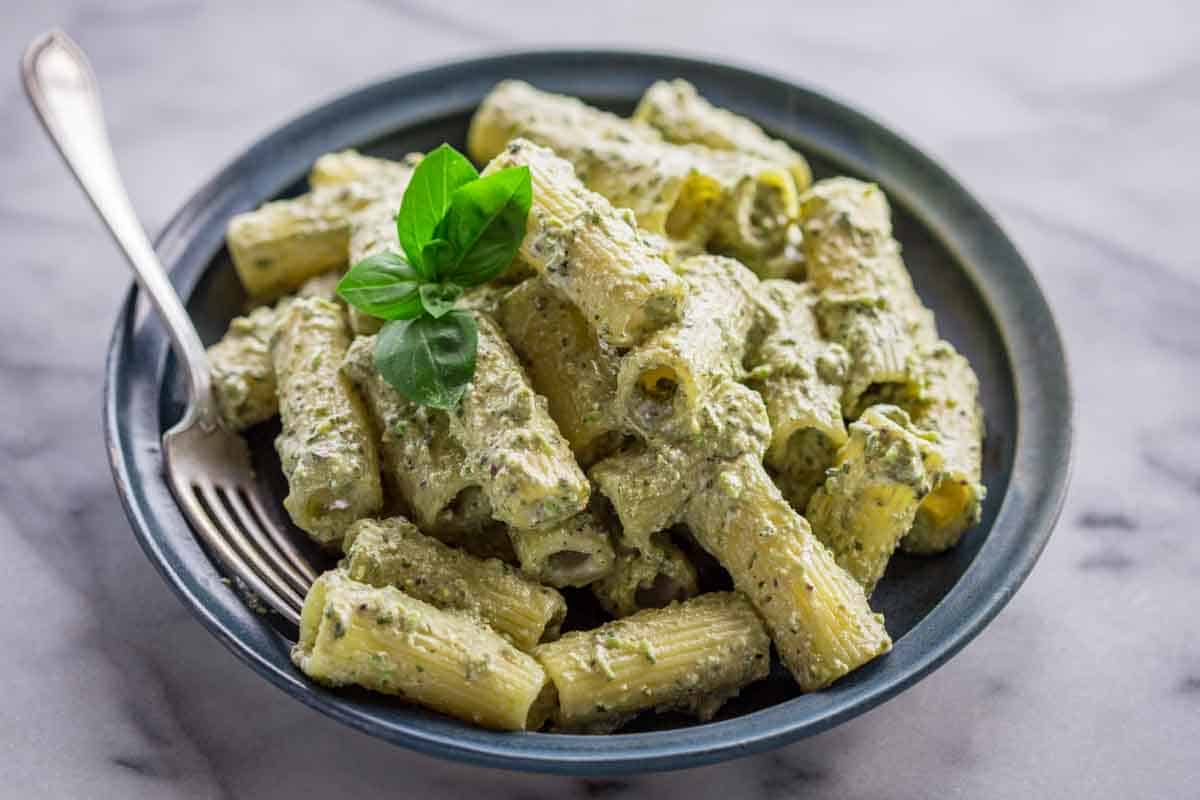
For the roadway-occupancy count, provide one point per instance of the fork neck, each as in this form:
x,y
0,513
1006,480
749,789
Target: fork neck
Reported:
x,y
63,90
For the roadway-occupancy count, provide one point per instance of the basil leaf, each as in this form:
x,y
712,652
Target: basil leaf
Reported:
x,y
438,298
436,254
426,199
430,361
383,285
484,225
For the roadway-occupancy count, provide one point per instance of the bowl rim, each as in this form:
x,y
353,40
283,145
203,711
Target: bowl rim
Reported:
x,y
1029,509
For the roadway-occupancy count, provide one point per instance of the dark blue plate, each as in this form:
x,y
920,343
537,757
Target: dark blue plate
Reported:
x,y
965,268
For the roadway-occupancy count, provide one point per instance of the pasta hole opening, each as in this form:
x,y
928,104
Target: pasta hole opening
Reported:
x,y
544,707
599,447
809,453
773,202
895,393
759,212
470,510
323,504
945,502
567,562
467,522
689,217
659,384
661,592
312,615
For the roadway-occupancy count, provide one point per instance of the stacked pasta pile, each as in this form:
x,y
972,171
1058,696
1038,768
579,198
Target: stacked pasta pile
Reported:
x,y
696,344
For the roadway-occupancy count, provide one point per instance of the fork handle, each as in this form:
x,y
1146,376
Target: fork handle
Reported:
x,y
63,90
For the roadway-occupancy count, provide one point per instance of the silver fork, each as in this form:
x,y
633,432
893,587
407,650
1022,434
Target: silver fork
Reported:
x,y
208,466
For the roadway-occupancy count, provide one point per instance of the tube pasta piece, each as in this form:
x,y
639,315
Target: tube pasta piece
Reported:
x,y
649,484
243,377
947,403
350,166
677,111
651,578
421,462
799,377
326,448
625,162
570,553
664,381
648,488
568,364
523,463
690,657
393,552
880,476
816,613
424,466
384,640
865,301
282,244
500,439
760,204
591,252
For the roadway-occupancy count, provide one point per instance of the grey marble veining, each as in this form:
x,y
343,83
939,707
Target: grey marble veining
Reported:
x,y
1076,122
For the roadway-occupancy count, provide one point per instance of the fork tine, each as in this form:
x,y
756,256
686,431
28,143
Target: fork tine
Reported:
x,y
233,534
196,511
267,544
286,547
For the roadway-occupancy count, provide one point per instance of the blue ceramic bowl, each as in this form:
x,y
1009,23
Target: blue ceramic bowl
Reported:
x,y
965,268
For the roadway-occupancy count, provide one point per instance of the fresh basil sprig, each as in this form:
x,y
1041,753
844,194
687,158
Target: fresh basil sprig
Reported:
x,y
456,230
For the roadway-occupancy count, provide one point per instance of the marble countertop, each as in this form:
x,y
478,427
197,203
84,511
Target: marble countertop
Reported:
x,y
1076,122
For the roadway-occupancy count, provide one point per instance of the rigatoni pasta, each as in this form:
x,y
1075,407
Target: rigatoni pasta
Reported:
x,y
799,376
946,402
689,657
500,440
347,167
326,448
422,464
243,375
737,201
387,641
817,614
282,244
623,161
591,252
573,552
568,364
868,502
650,483
677,111
865,297
392,552
663,382
520,459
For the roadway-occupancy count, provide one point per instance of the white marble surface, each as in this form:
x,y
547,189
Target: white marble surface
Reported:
x,y
1076,122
